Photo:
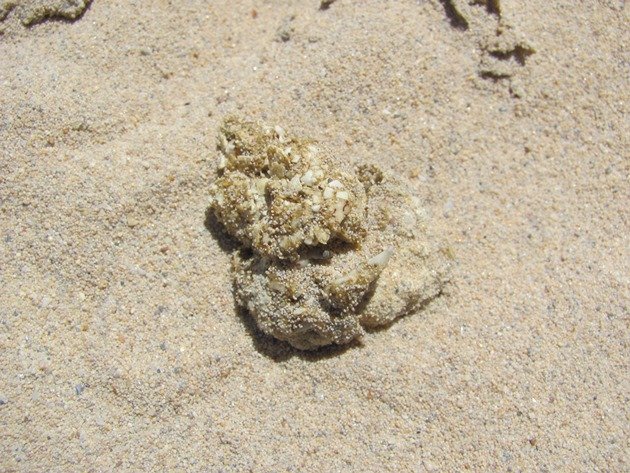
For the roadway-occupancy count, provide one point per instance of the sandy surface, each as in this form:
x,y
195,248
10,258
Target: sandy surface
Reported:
x,y
120,344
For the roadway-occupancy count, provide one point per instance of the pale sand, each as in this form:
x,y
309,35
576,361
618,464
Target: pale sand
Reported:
x,y
120,344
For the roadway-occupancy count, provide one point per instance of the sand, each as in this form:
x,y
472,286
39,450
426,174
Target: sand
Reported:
x,y
120,344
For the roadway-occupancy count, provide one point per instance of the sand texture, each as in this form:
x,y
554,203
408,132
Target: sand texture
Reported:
x,y
121,346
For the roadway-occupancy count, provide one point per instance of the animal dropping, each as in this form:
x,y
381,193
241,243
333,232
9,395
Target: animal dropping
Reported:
x,y
327,251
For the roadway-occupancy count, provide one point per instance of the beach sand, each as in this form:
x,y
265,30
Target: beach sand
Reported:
x,y
120,344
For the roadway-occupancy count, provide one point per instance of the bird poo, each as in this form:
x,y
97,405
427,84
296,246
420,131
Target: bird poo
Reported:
x,y
327,251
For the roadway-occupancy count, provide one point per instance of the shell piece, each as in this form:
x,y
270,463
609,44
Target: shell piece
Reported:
x,y
327,252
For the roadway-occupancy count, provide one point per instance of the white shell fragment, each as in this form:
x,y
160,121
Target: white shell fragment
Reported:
x,y
382,258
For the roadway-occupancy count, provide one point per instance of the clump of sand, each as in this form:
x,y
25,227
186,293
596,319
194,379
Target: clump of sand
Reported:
x,y
326,251
32,12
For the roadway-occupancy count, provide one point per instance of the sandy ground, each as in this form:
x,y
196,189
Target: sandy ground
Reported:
x,y
120,345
